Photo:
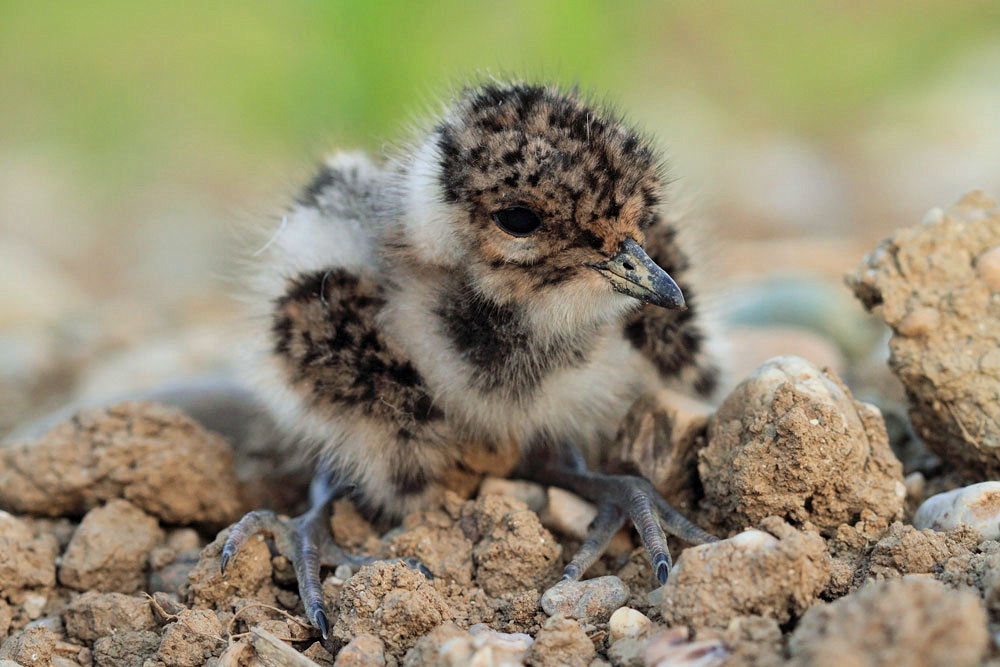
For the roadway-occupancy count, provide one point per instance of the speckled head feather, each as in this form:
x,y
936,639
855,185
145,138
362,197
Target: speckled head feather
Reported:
x,y
592,181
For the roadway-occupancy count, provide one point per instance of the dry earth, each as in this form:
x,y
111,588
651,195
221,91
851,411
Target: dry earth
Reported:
x,y
111,530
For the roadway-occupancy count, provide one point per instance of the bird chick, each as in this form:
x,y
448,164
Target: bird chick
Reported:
x,y
508,282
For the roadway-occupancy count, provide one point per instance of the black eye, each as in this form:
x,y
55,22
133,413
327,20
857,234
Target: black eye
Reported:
x,y
517,220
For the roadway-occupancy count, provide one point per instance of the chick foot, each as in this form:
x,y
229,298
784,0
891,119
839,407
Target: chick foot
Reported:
x,y
306,541
619,498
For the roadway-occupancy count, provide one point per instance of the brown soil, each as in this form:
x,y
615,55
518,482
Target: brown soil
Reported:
x,y
111,550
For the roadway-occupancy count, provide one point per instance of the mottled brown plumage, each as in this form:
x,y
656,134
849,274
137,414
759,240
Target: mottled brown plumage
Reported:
x,y
483,288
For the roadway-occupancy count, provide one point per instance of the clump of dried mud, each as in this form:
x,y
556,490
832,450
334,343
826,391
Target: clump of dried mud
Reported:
x,y
937,285
111,550
791,441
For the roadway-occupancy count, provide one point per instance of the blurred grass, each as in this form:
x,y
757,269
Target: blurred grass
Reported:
x,y
129,90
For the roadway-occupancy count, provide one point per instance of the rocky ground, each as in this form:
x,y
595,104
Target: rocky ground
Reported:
x,y
848,541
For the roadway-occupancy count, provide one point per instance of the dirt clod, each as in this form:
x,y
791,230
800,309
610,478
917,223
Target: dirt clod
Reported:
x,y
391,601
192,639
250,571
109,550
906,550
951,371
154,456
94,615
753,573
28,562
33,646
514,552
896,622
561,641
790,441
129,648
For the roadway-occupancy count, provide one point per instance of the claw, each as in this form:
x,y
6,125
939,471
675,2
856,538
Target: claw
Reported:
x,y
661,565
618,497
224,562
322,623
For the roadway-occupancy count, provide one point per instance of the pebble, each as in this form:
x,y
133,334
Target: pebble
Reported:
x,y
628,652
363,651
33,605
567,513
496,649
627,622
672,648
988,268
532,494
916,485
483,634
485,648
753,539
592,600
977,506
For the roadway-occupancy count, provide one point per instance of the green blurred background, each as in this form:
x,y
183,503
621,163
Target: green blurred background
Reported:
x,y
136,136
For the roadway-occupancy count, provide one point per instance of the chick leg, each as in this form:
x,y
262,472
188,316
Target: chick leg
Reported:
x,y
618,497
306,541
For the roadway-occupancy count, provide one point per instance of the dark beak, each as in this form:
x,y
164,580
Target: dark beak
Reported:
x,y
632,272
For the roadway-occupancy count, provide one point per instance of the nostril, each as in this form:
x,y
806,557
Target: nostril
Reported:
x,y
628,266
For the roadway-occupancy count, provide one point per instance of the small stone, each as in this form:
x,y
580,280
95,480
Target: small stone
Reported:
x,y
672,648
988,268
627,622
628,652
916,485
567,513
33,605
318,654
502,645
446,644
481,646
531,494
593,600
977,506
363,651
172,577
183,539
